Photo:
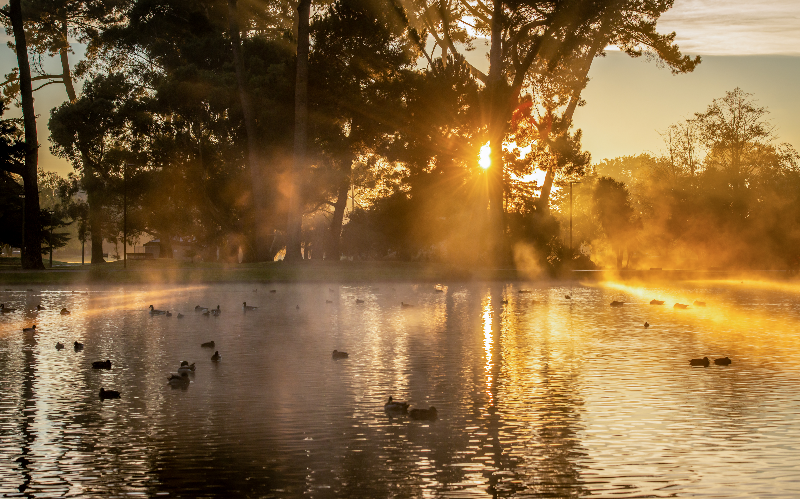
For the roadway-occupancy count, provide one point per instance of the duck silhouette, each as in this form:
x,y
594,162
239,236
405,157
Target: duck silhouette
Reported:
x,y
101,364
59,346
208,344
108,394
181,378
680,306
168,314
336,355
64,311
77,346
198,308
725,361
700,362
359,300
656,302
646,324
424,414
154,311
393,406
247,307
216,356
699,303
406,305
180,315
186,367
616,303
5,310
31,329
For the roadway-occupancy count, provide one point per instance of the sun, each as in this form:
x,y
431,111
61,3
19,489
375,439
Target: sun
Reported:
x,y
485,160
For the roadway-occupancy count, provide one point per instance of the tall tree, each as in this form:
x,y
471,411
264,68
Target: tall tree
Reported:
x,y
294,220
31,248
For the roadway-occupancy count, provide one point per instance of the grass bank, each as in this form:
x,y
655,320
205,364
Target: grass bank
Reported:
x,y
172,272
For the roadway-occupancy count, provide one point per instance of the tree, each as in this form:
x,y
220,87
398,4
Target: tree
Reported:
x,y
31,256
97,133
612,206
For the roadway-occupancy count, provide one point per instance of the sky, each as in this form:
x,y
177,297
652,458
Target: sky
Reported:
x,y
755,46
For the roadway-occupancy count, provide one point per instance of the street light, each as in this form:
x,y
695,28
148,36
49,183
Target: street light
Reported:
x,y
570,216
125,216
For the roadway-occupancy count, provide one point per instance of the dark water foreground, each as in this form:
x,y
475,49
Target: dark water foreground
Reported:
x,y
539,397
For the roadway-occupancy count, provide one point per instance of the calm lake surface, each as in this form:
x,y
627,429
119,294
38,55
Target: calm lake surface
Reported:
x,y
537,395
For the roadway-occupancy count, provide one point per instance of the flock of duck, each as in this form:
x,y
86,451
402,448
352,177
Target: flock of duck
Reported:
x,y
391,407
704,362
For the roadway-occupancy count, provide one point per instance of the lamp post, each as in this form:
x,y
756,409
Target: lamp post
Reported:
x,y
125,216
570,216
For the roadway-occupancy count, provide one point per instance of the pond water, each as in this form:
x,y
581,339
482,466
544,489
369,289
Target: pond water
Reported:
x,y
537,395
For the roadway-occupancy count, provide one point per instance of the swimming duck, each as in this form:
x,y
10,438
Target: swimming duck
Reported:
x,y
178,378
359,301
101,365
247,307
297,307
39,307
273,290
328,301
336,355
4,310
616,303
725,361
186,367
180,315
656,302
439,290
168,314
699,303
198,308
216,311
331,290
504,302
406,305
524,291
208,344
568,297
59,346
31,329
77,346
207,312
154,311
646,324
424,414
393,406
108,394
699,362
680,306
64,311
216,356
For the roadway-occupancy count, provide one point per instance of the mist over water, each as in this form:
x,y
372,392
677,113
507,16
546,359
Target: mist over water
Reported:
x,y
540,396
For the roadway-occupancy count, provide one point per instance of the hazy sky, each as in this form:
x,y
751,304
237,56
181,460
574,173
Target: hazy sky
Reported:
x,y
755,46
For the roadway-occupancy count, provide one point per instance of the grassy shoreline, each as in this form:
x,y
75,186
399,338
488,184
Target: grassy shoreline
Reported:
x,y
172,272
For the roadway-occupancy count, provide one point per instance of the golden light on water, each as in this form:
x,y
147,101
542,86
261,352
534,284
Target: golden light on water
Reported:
x,y
485,160
488,341
760,326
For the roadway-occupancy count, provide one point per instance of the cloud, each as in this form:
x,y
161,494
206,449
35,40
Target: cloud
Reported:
x,y
734,27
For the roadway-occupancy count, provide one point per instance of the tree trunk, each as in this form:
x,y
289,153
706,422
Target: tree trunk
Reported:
x,y
88,179
544,198
333,248
294,220
261,234
497,126
31,251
